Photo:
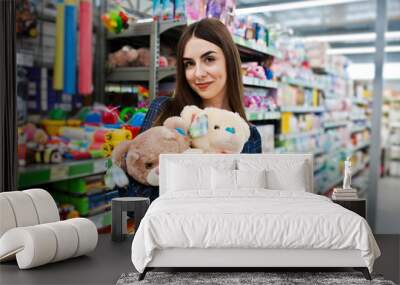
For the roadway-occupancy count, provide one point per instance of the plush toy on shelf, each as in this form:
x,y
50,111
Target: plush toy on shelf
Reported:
x,y
252,69
116,20
126,56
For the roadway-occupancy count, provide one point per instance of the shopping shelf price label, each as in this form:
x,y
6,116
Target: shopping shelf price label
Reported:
x,y
58,172
99,166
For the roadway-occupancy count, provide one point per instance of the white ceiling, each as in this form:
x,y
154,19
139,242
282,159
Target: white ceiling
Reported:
x,y
339,16
334,19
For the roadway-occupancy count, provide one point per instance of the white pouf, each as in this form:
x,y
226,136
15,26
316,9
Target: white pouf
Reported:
x,y
23,208
7,218
31,231
40,244
46,208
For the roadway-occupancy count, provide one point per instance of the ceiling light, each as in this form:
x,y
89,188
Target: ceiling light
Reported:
x,y
361,50
360,37
366,71
144,20
291,6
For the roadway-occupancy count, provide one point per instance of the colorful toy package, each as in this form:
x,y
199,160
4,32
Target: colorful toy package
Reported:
x,y
195,10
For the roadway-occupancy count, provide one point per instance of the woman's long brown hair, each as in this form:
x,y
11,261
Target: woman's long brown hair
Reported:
x,y
214,31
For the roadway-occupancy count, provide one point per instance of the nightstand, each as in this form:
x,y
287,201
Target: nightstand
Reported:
x,y
120,207
358,206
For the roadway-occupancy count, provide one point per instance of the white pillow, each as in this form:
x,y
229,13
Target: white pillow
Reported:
x,y
282,174
183,178
295,180
251,178
223,179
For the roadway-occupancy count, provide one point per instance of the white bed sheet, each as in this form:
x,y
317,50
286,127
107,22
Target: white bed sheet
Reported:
x,y
250,218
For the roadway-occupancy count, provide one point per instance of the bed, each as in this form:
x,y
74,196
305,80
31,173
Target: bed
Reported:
x,y
247,210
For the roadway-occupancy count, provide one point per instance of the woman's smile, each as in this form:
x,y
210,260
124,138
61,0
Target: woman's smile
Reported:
x,y
203,86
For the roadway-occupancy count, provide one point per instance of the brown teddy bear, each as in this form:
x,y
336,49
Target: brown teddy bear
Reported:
x,y
139,157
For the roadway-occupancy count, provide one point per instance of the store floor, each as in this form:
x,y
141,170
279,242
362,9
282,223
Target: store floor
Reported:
x,y
110,260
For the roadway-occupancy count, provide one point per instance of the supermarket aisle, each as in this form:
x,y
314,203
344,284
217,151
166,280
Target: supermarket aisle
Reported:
x,y
388,206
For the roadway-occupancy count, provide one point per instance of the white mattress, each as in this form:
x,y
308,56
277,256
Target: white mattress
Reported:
x,y
252,218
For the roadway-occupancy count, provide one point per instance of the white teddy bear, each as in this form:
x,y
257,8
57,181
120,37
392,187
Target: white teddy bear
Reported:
x,y
213,130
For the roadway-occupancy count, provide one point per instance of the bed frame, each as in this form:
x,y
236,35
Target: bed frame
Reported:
x,y
242,259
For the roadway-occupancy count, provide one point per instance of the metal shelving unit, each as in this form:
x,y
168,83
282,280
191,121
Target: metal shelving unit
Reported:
x,y
258,116
303,109
251,81
48,173
358,129
123,74
302,83
331,125
301,135
248,46
149,74
360,146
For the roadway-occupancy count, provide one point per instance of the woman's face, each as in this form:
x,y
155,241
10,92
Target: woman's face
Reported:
x,y
205,69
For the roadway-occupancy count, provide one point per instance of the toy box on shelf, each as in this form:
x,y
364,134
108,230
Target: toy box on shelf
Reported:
x,y
191,11
92,133
88,195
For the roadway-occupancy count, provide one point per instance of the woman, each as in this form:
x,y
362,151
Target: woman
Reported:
x,y
208,75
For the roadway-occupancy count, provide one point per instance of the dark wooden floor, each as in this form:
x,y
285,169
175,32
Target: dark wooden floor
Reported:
x,y
110,260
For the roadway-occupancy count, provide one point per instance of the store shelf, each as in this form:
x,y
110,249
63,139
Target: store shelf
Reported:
x,y
358,118
360,101
312,151
392,100
394,125
253,47
332,95
318,152
319,168
47,173
300,135
252,81
101,220
258,116
359,147
172,24
129,74
302,83
358,129
138,29
331,125
331,184
302,109
327,71
166,72
360,168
